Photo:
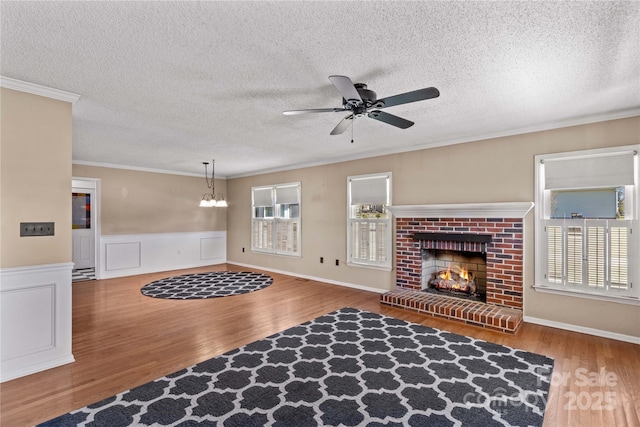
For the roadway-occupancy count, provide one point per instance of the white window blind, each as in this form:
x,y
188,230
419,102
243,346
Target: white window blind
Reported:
x,y
262,197
287,194
371,190
589,172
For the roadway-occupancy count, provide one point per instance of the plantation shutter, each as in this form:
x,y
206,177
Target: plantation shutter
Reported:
x,y
618,258
574,255
596,254
554,253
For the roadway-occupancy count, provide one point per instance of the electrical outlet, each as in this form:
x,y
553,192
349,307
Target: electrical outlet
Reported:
x,y
36,229
242,249
337,262
321,260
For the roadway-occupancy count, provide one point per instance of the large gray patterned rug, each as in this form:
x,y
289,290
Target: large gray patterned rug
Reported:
x,y
207,285
349,367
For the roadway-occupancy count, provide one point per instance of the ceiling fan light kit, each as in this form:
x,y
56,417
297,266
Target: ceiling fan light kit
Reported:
x,y
359,101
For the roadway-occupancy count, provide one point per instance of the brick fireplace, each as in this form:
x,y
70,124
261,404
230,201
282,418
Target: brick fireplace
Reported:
x,y
498,225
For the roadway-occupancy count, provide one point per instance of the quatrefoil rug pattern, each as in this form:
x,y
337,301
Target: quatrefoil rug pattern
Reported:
x,y
207,285
346,368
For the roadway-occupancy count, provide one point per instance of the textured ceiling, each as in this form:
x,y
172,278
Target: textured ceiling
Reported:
x,y
167,85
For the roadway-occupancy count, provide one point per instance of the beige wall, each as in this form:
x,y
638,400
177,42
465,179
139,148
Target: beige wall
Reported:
x,y
493,170
35,174
35,158
136,202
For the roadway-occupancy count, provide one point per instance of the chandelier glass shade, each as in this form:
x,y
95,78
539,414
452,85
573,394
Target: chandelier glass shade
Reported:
x,y
211,200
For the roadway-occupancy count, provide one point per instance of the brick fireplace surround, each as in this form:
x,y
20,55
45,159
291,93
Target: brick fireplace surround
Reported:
x,y
503,221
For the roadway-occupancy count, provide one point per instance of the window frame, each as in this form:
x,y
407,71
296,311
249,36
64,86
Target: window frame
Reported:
x,y
609,291
272,238
373,223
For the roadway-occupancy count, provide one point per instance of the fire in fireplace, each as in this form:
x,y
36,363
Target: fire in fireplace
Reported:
x,y
454,279
454,264
455,273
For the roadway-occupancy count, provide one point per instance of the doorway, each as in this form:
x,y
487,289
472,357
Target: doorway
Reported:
x,y
84,224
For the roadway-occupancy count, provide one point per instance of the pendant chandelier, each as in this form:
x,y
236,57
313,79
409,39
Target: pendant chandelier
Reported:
x,y
211,200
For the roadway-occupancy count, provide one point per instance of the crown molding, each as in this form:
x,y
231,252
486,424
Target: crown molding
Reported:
x,y
140,169
35,89
463,210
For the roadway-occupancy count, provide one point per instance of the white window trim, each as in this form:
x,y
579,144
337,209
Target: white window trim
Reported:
x,y
542,214
386,266
276,219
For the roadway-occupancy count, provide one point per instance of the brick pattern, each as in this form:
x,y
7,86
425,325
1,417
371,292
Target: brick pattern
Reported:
x,y
488,316
504,253
504,271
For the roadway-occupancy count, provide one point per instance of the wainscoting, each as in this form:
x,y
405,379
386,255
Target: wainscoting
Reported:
x,y
131,254
36,319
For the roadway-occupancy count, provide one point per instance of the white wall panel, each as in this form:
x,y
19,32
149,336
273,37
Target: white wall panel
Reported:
x,y
35,316
126,255
34,310
213,248
122,256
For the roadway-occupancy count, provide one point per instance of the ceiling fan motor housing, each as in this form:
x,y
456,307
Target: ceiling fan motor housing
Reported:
x,y
368,97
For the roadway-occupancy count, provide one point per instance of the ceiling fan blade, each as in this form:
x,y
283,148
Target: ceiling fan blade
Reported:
x,y
343,125
313,110
404,98
390,119
346,88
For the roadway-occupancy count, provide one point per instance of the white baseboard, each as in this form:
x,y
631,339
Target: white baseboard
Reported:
x,y
36,319
131,254
318,279
538,321
590,331
38,367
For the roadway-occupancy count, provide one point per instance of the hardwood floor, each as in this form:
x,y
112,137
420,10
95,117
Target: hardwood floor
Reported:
x,y
122,339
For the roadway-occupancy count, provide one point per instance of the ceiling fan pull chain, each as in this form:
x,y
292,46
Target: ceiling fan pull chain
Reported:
x,y
353,124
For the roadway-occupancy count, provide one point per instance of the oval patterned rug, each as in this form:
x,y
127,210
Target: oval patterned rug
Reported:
x,y
207,285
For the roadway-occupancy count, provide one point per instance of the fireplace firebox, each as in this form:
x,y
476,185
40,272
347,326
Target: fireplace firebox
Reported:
x,y
460,274
454,264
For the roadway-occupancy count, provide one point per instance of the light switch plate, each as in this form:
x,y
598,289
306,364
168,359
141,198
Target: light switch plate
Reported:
x,y
36,229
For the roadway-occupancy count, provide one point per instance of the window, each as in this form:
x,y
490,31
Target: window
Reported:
x,y
275,224
586,213
368,221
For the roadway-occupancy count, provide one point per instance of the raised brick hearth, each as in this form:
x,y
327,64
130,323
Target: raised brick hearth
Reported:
x,y
474,313
503,309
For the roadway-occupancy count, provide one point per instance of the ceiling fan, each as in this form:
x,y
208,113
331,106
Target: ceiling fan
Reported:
x,y
358,101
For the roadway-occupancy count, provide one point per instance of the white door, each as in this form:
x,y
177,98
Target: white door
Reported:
x,y
83,228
